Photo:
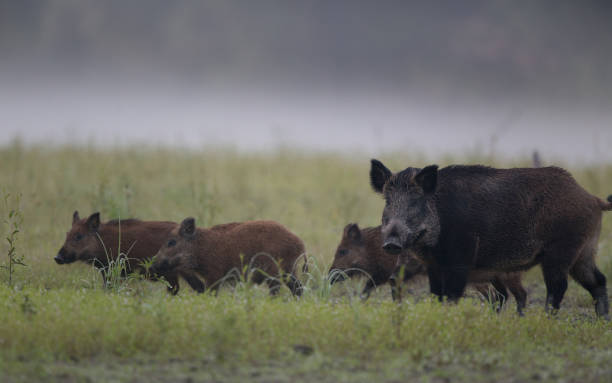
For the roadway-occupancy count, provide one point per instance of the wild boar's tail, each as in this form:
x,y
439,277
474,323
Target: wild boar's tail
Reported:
x,y
607,206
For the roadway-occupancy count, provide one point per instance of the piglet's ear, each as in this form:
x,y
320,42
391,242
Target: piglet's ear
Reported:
x,y
379,175
352,232
427,178
188,227
75,217
93,222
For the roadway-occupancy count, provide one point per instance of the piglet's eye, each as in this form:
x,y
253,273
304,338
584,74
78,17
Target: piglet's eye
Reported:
x,y
342,253
78,237
171,243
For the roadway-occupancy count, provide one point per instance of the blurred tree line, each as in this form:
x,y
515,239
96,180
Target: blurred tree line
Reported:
x,y
539,46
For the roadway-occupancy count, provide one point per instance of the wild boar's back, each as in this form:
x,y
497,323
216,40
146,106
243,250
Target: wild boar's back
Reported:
x,y
514,213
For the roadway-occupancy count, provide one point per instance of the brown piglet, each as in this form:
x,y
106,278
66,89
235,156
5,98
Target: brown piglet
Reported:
x,y
268,249
360,250
98,243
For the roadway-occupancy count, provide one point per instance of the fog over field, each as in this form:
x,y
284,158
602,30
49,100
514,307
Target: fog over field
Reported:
x,y
486,77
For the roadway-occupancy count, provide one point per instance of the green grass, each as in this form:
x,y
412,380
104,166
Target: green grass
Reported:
x,y
57,323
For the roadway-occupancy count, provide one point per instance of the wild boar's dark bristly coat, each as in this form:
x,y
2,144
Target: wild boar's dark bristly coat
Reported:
x,y
463,218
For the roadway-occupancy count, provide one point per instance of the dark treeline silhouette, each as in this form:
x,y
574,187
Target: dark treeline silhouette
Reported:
x,y
550,47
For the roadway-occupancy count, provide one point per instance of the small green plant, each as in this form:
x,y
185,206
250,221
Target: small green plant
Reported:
x,y
146,265
116,270
13,220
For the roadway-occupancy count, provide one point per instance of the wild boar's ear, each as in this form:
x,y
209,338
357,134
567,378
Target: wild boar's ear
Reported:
x,y
187,229
427,178
93,222
353,232
75,217
379,175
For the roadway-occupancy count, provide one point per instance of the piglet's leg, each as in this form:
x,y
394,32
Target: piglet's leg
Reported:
x,y
513,281
194,281
173,281
367,290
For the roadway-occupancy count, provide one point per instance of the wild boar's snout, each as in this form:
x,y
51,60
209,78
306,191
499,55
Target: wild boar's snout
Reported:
x,y
392,238
61,256
159,266
392,246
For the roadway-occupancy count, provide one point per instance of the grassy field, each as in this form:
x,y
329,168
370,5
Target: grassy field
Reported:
x,y
57,323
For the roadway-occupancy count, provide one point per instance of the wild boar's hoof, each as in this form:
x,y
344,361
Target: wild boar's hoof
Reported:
x,y
602,308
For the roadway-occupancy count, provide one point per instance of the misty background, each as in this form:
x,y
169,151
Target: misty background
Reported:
x,y
434,77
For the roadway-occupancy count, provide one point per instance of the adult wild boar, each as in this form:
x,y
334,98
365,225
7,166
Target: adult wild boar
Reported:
x,y
267,248
360,250
462,219
97,243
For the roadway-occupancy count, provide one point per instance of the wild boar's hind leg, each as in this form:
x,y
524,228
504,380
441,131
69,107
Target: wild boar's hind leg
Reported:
x,y
588,275
295,285
555,277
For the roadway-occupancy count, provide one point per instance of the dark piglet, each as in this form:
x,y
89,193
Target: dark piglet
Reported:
x,y
360,250
95,242
267,248
465,219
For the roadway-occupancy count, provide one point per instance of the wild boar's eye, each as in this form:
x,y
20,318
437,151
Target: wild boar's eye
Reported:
x,y
171,243
342,253
78,237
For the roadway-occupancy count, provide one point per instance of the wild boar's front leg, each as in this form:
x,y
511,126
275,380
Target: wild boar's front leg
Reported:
x,y
454,282
447,282
195,282
367,290
104,277
456,265
396,292
173,282
436,286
